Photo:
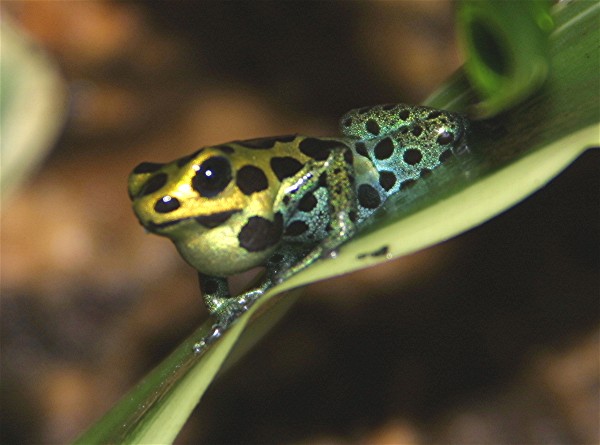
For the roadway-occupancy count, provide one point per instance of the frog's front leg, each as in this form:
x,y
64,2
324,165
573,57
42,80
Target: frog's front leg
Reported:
x,y
215,290
218,300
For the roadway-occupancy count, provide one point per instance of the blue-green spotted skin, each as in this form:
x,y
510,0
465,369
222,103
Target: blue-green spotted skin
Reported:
x,y
285,201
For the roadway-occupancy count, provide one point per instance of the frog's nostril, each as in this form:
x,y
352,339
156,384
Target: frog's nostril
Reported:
x,y
167,204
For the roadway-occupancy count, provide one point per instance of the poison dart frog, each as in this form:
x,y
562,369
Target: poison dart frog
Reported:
x,y
285,201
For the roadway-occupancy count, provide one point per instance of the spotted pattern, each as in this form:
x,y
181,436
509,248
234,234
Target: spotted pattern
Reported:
x,y
445,138
285,167
307,203
361,149
425,173
417,130
251,179
445,156
412,156
382,251
266,143
317,148
154,184
384,149
407,184
337,183
372,127
182,162
348,156
147,167
215,219
368,197
227,149
296,228
259,233
387,180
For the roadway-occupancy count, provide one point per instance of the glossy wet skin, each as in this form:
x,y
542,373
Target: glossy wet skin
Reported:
x,y
231,207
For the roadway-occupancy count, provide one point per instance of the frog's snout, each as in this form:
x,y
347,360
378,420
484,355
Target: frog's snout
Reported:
x,y
139,177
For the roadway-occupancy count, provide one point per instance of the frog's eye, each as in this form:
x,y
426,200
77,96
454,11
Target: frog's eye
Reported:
x,y
212,176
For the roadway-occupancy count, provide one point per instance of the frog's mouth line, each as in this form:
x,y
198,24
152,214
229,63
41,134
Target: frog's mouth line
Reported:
x,y
209,221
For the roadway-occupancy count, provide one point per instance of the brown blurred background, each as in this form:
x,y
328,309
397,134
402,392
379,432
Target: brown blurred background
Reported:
x,y
488,338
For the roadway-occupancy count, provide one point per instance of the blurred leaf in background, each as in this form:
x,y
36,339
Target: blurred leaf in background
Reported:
x,y
507,49
33,106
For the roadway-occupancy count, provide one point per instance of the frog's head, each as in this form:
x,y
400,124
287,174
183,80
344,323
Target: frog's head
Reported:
x,y
200,187
204,203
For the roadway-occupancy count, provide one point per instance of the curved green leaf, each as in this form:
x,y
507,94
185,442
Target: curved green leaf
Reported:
x,y
156,409
506,43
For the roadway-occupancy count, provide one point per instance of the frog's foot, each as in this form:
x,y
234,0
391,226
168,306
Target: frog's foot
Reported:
x,y
227,310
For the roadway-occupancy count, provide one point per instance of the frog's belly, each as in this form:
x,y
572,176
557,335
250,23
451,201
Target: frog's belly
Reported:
x,y
231,249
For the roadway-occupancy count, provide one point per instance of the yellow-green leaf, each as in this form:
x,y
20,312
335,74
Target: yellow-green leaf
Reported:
x,y
506,45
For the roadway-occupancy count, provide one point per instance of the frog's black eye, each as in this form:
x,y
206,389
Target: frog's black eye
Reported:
x,y
212,176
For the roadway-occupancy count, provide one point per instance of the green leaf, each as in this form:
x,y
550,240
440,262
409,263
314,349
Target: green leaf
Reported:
x,y
506,43
510,157
156,409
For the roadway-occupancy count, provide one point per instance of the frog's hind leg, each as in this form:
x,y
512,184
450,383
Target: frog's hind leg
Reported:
x,y
224,306
339,176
